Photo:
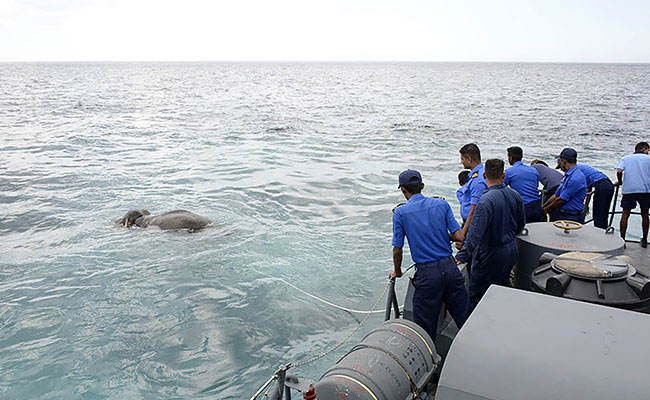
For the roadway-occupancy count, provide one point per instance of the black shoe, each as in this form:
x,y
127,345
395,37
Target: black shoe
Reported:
x,y
644,243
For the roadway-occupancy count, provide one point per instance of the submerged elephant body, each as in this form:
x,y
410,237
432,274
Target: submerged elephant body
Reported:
x,y
177,219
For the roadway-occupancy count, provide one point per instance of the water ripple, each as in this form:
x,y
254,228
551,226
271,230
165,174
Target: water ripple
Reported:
x,y
296,164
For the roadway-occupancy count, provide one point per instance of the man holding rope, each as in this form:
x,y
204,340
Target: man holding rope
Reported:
x,y
428,224
568,202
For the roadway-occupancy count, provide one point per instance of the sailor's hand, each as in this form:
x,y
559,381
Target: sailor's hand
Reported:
x,y
458,262
459,245
394,274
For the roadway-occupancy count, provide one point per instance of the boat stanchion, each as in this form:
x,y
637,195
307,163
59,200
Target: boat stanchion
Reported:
x,y
391,302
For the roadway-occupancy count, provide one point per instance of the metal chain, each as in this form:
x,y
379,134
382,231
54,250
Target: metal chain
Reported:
x,y
341,343
363,321
338,345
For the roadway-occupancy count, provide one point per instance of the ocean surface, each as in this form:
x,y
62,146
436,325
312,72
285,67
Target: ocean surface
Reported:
x,y
297,166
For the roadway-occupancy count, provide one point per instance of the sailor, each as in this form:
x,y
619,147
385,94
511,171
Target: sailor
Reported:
x,y
498,218
549,178
463,177
428,224
603,192
568,202
524,179
470,157
633,172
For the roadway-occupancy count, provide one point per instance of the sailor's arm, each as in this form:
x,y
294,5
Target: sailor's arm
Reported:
x,y
457,236
469,219
619,176
481,222
553,204
397,263
398,243
461,256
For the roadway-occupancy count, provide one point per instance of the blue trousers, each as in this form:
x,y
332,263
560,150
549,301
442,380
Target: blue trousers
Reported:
x,y
603,193
578,216
491,266
435,283
533,211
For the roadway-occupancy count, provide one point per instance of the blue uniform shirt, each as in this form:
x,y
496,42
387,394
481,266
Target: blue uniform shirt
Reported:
x,y
592,175
573,190
476,185
636,173
524,179
426,222
464,207
498,218
548,176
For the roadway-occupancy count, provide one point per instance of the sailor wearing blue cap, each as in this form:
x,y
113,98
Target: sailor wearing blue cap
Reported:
x,y
568,202
524,179
603,193
491,243
470,157
429,224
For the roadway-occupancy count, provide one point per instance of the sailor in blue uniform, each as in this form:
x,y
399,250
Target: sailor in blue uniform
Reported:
x,y
603,193
491,243
463,177
470,157
568,202
429,224
524,179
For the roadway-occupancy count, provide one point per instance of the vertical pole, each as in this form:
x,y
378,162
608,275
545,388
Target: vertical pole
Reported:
x,y
395,304
611,217
389,301
279,388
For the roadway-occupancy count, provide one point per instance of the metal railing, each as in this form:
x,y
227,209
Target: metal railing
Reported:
x,y
613,211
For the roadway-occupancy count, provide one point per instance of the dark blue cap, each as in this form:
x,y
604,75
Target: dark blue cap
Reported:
x,y
567,153
409,176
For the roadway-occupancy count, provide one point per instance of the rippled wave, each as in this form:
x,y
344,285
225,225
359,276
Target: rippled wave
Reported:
x,y
295,163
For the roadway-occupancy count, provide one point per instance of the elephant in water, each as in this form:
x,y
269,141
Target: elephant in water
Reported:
x,y
177,219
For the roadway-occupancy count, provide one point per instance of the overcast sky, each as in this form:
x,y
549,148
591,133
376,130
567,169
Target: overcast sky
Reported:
x,y
325,30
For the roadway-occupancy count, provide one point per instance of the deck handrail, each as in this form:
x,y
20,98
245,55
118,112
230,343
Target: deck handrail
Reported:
x,y
613,211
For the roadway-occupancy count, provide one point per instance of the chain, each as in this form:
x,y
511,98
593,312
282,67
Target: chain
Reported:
x,y
341,343
338,345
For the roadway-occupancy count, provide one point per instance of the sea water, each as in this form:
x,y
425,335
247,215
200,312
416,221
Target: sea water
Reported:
x,y
297,166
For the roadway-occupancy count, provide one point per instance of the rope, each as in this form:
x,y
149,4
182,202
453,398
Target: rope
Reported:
x,y
341,343
338,345
329,303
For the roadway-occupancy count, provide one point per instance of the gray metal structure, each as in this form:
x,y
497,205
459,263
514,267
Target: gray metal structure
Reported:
x,y
597,278
523,345
542,237
395,361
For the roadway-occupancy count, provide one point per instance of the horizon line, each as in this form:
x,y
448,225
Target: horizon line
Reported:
x,y
329,61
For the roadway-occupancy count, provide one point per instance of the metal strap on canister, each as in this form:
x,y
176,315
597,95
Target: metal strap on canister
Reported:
x,y
421,338
366,388
414,388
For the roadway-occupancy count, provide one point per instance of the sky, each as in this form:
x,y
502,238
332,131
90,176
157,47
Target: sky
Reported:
x,y
325,30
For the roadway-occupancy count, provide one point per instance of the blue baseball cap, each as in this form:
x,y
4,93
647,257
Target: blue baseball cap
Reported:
x,y
567,153
409,176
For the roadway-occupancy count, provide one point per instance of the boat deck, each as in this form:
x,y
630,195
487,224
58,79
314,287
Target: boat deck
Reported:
x,y
640,256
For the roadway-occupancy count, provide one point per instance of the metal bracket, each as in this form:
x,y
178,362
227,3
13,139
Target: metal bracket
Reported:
x,y
301,385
